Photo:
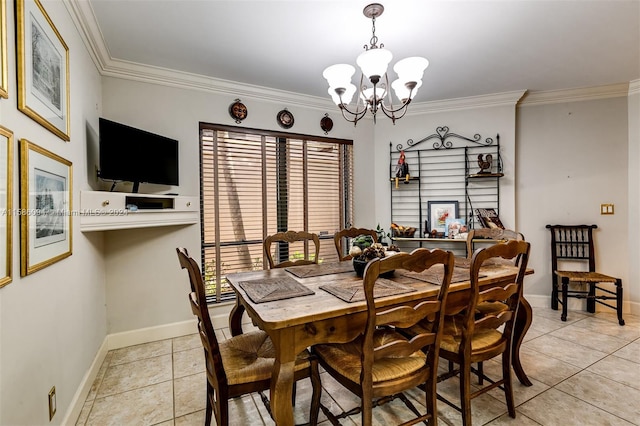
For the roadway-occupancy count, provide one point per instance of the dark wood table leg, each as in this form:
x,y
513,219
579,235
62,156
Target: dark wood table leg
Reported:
x,y
619,300
235,319
522,324
565,291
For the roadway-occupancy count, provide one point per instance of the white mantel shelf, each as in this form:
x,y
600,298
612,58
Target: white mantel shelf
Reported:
x,y
104,211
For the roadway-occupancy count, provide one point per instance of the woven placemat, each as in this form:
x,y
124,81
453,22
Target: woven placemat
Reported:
x,y
353,291
270,289
435,274
306,271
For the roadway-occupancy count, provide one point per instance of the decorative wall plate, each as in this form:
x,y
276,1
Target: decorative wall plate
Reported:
x,y
238,111
326,124
285,119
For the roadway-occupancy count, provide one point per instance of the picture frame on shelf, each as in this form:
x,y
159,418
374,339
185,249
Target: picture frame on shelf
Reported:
x,y
6,206
43,69
455,227
45,208
4,79
439,212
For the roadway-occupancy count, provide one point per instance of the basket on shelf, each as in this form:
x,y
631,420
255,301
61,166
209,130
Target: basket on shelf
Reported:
x,y
401,231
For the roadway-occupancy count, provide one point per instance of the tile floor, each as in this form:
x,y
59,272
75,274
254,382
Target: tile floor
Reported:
x,y
585,371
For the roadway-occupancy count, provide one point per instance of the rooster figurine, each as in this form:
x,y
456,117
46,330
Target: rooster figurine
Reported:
x,y
485,164
402,169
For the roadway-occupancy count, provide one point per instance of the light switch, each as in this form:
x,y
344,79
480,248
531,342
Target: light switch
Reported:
x,y
606,208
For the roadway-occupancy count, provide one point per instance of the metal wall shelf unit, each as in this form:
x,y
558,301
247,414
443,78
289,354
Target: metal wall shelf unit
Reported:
x,y
445,166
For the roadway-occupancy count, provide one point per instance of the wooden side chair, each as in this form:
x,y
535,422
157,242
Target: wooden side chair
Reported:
x,y
340,239
281,241
241,364
381,363
468,338
575,243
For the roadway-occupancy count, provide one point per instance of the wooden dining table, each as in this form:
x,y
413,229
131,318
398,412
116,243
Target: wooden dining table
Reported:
x,y
274,301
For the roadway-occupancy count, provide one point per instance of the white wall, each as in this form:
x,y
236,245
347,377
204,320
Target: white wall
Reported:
x,y
52,323
572,157
632,287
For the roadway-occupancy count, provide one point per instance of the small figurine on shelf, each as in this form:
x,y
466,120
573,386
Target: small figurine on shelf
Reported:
x,y
485,164
402,169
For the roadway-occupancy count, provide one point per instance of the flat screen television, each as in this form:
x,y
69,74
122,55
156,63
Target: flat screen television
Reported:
x,y
135,155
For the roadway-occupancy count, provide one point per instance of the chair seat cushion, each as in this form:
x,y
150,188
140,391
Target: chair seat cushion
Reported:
x,y
249,357
482,339
345,358
586,277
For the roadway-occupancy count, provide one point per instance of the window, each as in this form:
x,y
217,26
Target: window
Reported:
x,y
256,183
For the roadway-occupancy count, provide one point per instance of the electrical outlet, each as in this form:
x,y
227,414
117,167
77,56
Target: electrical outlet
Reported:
x,y
52,403
606,208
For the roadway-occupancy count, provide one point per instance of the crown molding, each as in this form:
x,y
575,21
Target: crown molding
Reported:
x,y
634,87
471,102
575,95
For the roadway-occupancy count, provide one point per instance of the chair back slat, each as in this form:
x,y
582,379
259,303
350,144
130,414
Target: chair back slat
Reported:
x,y
340,238
281,241
497,234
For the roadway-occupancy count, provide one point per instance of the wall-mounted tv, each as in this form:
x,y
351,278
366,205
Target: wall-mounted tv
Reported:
x,y
134,155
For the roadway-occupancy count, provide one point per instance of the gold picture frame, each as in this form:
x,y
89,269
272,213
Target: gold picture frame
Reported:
x,y
43,69
6,206
45,208
4,80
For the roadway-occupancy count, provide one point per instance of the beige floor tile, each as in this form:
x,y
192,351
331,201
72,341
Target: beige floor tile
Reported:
x,y
84,414
619,370
594,339
193,419
190,341
556,408
601,324
544,368
520,420
630,352
578,355
188,362
99,377
134,375
149,405
138,352
521,393
546,325
605,394
190,394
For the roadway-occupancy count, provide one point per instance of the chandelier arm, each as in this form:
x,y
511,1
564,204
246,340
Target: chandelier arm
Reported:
x,y
354,116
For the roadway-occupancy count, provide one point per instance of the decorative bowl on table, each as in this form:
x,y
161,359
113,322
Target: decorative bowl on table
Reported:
x,y
361,260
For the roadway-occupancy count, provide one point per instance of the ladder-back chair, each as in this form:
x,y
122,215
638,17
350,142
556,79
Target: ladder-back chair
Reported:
x,y
575,243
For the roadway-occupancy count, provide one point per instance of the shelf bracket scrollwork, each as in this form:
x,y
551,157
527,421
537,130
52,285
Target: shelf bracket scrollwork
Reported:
x,y
444,139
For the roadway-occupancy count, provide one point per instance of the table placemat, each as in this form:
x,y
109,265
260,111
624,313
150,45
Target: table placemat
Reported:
x,y
435,274
353,291
306,271
270,289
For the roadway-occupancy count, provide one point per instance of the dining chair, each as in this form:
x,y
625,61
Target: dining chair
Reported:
x,y
469,339
496,235
381,363
280,256
571,244
340,239
241,364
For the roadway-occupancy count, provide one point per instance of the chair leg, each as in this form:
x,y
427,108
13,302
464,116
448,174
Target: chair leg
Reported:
x,y
591,298
554,293
506,378
619,300
431,396
480,373
316,387
565,289
465,393
209,410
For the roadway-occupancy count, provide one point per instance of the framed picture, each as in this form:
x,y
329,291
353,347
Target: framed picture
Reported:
x,y
6,205
439,212
43,68
45,207
4,90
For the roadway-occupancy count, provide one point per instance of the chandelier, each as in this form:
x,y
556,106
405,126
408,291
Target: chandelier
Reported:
x,y
373,63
